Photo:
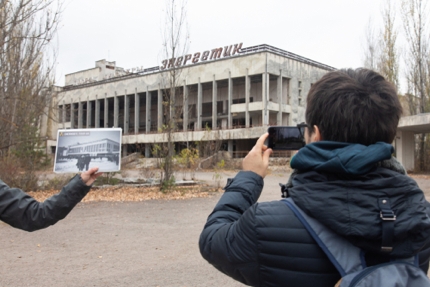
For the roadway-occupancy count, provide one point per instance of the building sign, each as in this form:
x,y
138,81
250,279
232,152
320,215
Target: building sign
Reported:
x,y
188,59
214,54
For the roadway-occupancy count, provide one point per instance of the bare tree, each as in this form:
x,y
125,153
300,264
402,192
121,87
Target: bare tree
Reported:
x,y
388,63
414,15
175,43
26,29
371,49
381,46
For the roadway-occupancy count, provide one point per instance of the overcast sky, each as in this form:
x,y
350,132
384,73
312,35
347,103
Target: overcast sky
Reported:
x,y
130,31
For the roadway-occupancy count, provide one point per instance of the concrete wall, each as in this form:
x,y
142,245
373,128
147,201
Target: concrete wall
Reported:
x,y
102,70
405,149
405,138
253,64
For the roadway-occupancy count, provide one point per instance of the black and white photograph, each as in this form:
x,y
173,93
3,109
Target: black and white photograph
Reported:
x,y
80,149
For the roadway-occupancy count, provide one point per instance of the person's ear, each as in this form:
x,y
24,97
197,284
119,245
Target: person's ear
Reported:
x,y
316,135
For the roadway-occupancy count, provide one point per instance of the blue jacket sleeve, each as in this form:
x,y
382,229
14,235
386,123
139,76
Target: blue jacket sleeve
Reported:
x,y
424,254
228,240
20,210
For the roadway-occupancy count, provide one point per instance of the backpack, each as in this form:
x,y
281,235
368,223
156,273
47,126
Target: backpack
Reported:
x,y
349,259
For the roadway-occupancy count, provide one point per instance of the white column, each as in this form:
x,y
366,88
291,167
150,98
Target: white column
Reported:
x,y
214,104
136,112
63,116
230,147
148,110
185,109
199,106
159,108
97,113
80,114
106,112
72,114
89,110
147,150
279,94
230,101
126,112
115,110
265,89
247,96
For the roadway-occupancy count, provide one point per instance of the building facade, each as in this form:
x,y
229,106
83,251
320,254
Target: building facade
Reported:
x,y
229,94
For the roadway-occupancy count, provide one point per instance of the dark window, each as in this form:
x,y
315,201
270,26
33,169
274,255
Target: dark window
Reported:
x,y
219,107
206,109
242,100
239,101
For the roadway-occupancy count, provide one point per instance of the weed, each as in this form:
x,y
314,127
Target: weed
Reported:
x,y
167,185
56,183
107,179
217,172
187,159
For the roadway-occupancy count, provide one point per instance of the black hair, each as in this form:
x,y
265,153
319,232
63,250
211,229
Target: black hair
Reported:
x,y
355,106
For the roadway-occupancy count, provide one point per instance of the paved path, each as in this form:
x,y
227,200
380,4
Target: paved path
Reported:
x,y
151,243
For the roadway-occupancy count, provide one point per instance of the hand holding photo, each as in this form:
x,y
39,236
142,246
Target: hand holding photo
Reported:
x,y
81,149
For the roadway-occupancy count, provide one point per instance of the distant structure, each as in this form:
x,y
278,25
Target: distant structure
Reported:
x,y
236,92
94,148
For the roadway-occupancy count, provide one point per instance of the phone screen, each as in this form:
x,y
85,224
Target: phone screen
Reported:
x,y
285,138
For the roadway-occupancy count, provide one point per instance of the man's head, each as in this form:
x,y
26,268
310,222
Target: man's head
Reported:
x,y
355,106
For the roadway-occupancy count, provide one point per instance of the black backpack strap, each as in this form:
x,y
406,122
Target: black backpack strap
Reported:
x,y
284,190
388,217
289,184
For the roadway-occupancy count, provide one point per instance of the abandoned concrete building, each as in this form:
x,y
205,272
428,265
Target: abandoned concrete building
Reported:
x,y
229,94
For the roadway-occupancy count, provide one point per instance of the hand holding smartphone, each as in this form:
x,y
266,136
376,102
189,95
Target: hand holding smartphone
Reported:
x,y
285,138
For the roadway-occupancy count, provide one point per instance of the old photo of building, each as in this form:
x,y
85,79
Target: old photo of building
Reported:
x,y
80,149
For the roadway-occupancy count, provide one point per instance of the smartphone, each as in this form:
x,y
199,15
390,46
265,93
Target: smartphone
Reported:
x,y
285,138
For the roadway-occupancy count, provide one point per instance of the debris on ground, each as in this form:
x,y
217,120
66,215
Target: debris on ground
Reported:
x,y
120,193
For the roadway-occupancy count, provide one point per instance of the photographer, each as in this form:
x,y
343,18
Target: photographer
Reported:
x,y
21,211
346,165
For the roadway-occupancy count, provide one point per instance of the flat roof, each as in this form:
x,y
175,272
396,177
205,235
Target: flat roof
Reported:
x,y
417,124
243,52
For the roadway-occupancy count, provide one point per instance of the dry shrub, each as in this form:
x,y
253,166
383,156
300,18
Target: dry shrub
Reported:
x,y
57,183
15,176
123,193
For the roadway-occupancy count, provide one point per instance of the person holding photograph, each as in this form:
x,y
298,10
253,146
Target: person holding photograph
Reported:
x,y
22,211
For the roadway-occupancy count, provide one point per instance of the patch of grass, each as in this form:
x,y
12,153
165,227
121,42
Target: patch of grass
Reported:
x,y
107,179
56,183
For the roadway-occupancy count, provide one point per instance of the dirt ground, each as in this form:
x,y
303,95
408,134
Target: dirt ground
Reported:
x,y
146,243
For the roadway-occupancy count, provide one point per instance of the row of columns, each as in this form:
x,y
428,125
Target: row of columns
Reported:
x,y
198,125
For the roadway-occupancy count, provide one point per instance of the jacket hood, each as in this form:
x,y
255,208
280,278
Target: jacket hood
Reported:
x,y
341,188
338,157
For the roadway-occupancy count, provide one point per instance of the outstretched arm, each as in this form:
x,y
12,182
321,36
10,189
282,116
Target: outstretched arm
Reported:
x,y
20,210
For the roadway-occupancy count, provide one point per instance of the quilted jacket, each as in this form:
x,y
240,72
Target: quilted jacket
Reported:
x,y
264,244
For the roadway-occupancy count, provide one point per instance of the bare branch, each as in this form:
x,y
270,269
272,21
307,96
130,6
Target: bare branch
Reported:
x,y
27,30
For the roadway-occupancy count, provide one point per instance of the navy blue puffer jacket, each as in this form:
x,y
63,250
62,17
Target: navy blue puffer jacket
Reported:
x,y
264,244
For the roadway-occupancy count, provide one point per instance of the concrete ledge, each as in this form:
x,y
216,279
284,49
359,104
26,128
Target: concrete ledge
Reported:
x,y
228,134
416,124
